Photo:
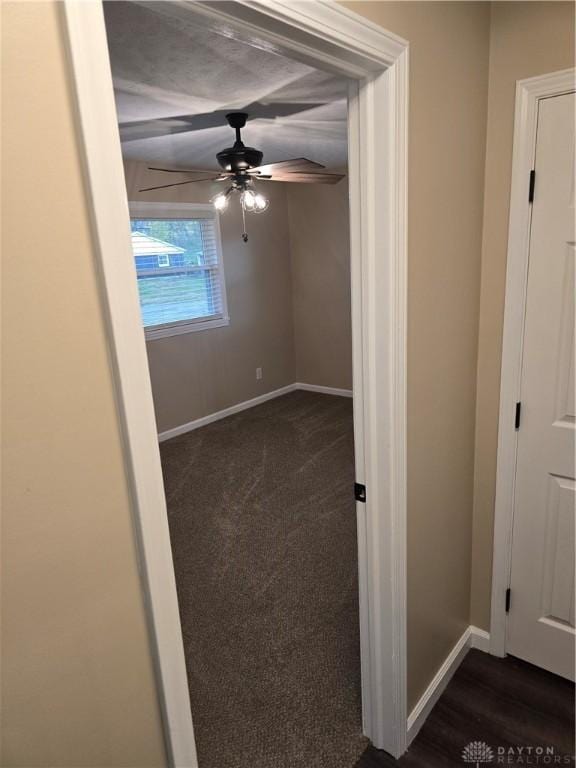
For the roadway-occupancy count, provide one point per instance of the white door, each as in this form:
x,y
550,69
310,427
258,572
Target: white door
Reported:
x,y
541,618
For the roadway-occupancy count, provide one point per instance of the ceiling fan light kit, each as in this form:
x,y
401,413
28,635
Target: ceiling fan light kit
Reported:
x,y
241,166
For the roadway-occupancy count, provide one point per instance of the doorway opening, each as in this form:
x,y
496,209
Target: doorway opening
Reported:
x,y
337,41
247,319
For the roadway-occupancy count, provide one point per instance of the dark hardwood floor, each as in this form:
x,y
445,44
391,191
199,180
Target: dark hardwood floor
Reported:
x,y
505,703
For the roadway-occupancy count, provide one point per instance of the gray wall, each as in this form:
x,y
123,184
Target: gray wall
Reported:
x,y
288,293
320,251
205,371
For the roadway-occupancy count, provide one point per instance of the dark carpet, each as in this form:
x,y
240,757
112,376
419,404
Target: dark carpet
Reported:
x,y
525,715
263,529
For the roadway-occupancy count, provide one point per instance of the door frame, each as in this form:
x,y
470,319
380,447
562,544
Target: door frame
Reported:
x,y
327,35
529,92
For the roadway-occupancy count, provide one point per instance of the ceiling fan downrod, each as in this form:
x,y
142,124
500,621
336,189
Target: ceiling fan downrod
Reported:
x,y
237,120
239,158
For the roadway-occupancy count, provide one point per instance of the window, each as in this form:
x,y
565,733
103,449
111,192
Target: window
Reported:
x,y
178,259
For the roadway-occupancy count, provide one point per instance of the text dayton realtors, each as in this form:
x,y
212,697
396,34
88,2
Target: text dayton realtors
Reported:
x,y
531,756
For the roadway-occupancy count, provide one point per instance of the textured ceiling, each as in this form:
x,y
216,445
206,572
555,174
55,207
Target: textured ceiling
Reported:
x,y
175,80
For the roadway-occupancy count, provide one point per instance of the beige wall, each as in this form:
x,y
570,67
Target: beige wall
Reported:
x,y
527,39
320,252
202,372
448,93
77,683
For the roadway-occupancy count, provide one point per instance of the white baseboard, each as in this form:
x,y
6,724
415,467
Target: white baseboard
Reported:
x,y
441,679
480,639
472,637
324,390
202,421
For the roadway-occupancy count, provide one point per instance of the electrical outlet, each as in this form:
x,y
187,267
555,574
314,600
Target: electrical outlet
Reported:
x,y
258,374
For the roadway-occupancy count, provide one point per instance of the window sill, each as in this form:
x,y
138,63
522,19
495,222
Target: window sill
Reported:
x,y
177,330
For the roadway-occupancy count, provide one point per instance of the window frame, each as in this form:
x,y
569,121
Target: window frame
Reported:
x,y
166,211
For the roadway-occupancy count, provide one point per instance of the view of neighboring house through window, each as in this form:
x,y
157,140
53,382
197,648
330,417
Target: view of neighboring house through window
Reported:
x,y
179,267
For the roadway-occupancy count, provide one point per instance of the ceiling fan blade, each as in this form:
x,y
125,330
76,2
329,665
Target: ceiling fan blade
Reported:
x,y
307,178
181,170
180,183
297,164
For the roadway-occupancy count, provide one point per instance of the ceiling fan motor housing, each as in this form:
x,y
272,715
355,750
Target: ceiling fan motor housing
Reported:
x,y
234,159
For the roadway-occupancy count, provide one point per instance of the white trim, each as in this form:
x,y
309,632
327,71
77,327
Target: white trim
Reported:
x,y
333,38
189,426
472,637
154,210
324,390
322,32
217,415
438,685
162,331
357,314
378,124
479,639
105,187
157,210
528,94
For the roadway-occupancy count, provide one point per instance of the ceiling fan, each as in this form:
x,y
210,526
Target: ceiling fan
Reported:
x,y
241,166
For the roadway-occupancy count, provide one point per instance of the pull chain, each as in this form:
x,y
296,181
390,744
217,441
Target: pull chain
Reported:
x,y
244,233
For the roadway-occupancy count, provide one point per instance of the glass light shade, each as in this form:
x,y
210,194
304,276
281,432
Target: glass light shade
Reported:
x,y
220,202
248,200
261,203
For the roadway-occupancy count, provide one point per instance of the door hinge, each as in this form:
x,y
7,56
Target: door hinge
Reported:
x,y
531,186
517,416
508,593
360,492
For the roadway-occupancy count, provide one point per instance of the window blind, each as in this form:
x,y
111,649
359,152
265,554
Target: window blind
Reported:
x,y
178,266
